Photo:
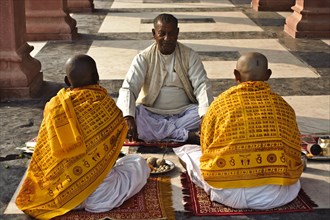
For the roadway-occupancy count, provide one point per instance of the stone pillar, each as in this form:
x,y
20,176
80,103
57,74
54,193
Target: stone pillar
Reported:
x,y
80,6
20,76
310,19
272,5
49,20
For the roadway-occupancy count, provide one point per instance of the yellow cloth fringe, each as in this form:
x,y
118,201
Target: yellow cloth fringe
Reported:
x,y
78,143
250,138
166,197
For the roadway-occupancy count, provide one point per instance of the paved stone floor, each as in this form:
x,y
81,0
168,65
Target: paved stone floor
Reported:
x,y
219,30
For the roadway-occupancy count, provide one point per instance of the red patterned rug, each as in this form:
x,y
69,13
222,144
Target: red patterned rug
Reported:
x,y
154,201
198,203
152,144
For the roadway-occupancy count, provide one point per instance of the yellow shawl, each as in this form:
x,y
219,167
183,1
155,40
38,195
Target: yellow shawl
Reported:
x,y
78,143
250,138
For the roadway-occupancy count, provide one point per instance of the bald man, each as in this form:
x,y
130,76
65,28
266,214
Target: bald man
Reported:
x,y
250,154
252,67
75,162
81,71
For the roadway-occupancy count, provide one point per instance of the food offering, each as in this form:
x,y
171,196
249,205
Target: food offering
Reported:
x,y
316,147
159,165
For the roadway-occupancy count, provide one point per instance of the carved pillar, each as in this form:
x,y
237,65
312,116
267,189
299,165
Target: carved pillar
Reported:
x,y
49,20
20,76
272,5
310,19
80,5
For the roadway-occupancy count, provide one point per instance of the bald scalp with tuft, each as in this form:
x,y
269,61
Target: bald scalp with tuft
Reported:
x,y
252,66
81,71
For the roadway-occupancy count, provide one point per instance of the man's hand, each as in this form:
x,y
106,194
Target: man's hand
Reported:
x,y
132,134
200,125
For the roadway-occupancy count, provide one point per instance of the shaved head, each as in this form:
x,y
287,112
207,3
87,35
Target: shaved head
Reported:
x,y
252,66
81,71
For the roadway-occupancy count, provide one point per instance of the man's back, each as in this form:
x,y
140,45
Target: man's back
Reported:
x,y
250,138
250,144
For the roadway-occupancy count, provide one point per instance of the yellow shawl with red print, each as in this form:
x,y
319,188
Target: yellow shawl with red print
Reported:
x,y
250,138
78,143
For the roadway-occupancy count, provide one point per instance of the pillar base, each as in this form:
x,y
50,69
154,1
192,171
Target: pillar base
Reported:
x,y
306,34
50,36
22,93
49,20
272,5
45,28
309,22
80,6
20,76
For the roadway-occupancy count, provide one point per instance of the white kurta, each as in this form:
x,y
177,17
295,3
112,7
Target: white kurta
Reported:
x,y
261,197
172,114
172,98
136,75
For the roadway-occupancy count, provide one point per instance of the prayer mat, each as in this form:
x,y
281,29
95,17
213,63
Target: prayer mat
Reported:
x,y
154,201
198,203
152,144
28,147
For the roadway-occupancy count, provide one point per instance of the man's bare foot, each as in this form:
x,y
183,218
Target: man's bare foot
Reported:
x,y
183,163
193,138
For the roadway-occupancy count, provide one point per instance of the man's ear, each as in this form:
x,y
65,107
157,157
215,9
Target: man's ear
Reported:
x,y
153,32
96,77
237,75
269,73
66,80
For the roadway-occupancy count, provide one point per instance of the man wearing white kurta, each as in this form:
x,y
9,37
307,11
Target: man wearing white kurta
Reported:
x,y
166,90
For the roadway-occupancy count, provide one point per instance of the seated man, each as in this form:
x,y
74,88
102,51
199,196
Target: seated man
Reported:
x,y
168,83
250,153
74,163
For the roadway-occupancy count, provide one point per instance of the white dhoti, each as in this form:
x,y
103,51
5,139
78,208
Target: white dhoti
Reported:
x,y
126,178
157,127
261,197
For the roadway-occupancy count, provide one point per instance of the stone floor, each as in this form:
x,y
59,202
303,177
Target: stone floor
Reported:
x,y
219,30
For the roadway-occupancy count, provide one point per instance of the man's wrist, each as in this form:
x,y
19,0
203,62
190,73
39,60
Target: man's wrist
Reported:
x,y
128,117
